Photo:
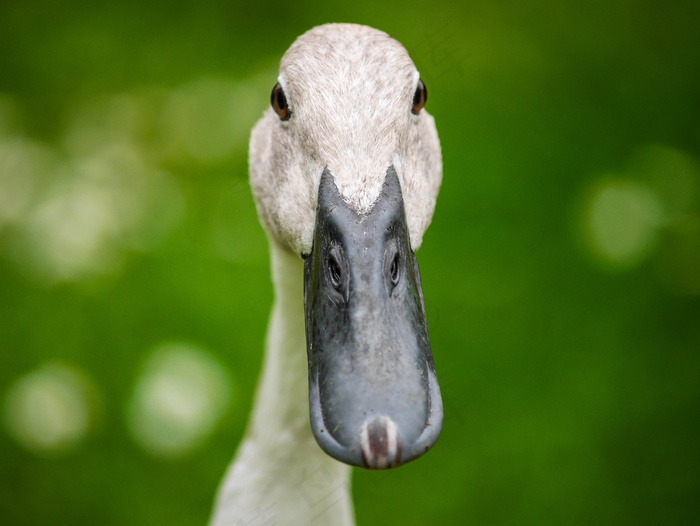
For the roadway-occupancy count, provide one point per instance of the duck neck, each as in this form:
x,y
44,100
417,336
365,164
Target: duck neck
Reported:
x,y
282,398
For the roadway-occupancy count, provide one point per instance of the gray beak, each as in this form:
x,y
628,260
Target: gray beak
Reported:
x,y
374,397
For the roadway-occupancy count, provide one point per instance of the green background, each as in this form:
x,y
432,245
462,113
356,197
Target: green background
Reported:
x,y
561,272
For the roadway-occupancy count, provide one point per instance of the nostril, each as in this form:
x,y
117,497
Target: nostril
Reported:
x,y
334,271
394,270
379,441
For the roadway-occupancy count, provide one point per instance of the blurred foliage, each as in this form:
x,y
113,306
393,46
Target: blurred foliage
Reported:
x,y
561,272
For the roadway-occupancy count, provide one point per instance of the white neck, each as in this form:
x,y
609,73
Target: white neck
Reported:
x,y
280,475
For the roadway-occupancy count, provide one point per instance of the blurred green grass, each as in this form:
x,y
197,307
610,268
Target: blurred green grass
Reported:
x,y
561,271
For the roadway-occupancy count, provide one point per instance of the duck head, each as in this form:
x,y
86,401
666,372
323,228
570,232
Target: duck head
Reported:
x,y
345,169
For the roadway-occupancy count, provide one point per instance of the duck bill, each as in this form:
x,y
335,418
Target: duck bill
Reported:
x,y
374,397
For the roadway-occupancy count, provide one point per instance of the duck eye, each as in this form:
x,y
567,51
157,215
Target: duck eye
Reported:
x,y
419,97
279,102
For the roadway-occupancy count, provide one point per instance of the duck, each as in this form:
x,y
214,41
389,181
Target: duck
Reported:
x,y
345,168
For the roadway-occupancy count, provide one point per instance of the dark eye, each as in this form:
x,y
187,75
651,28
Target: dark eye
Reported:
x,y
419,97
279,102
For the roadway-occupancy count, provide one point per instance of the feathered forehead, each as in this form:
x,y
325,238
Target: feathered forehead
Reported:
x,y
350,91
345,42
343,54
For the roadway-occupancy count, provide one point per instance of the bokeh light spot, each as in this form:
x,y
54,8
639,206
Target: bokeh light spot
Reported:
x,y
96,209
619,221
51,409
22,164
179,398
